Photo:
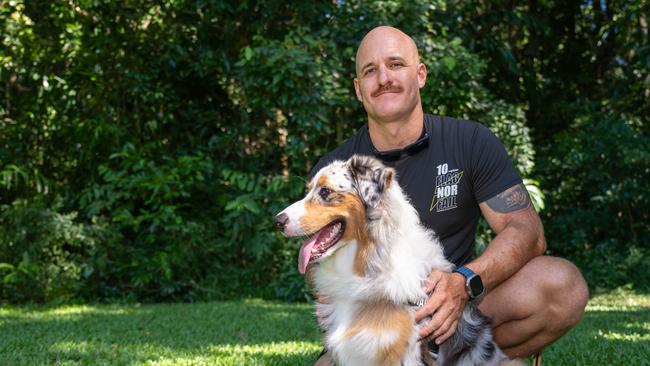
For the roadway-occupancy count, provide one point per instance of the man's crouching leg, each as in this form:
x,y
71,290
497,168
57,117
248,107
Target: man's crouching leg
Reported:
x,y
536,306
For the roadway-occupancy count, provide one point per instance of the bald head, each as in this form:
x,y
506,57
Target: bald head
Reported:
x,y
388,82
386,37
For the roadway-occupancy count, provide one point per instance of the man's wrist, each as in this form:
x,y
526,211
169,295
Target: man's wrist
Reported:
x,y
473,284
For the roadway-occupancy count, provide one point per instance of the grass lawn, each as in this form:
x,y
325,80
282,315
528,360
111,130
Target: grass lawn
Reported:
x,y
614,331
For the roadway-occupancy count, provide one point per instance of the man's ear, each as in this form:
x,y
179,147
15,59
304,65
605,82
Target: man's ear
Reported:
x,y
358,90
422,75
372,178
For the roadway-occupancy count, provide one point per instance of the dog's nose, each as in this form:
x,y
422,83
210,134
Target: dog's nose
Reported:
x,y
281,221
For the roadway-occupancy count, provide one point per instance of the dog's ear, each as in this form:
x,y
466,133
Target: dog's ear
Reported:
x,y
371,178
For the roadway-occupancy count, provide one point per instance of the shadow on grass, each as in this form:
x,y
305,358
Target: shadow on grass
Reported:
x,y
605,338
251,332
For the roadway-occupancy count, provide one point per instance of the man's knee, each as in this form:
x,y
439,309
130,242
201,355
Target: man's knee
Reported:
x,y
565,290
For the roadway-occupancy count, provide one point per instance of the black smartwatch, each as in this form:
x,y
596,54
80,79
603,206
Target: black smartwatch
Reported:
x,y
473,283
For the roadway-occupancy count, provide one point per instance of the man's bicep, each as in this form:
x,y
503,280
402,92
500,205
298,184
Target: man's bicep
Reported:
x,y
505,206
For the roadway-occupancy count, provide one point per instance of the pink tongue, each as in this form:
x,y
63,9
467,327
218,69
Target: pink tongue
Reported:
x,y
305,254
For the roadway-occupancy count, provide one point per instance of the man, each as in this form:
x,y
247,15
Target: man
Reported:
x,y
453,171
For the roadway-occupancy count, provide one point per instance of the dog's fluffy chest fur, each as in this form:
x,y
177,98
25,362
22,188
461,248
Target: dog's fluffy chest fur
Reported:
x,y
363,314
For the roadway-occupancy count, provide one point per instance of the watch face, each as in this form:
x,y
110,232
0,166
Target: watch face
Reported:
x,y
476,286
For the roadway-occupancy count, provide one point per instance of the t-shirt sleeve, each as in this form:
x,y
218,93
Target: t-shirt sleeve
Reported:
x,y
492,168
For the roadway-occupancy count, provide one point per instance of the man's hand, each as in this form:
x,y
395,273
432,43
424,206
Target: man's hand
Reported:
x,y
445,305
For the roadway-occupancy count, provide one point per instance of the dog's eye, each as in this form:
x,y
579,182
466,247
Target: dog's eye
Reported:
x,y
324,192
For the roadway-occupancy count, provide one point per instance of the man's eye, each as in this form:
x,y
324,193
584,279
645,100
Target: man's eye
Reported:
x,y
324,192
395,65
369,71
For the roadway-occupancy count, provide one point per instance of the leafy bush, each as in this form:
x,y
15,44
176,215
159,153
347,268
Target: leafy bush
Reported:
x,y
147,145
45,254
253,254
160,251
598,207
184,142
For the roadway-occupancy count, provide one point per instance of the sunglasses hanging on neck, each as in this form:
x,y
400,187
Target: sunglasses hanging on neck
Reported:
x,y
410,150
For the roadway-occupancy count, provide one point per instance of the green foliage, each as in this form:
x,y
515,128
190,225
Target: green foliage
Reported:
x,y
146,200
247,236
146,146
44,254
599,204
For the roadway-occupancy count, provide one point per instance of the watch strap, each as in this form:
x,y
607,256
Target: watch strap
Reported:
x,y
470,277
468,273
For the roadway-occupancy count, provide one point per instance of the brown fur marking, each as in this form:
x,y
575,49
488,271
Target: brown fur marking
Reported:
x,y
380,318
356,229
342,205
322,181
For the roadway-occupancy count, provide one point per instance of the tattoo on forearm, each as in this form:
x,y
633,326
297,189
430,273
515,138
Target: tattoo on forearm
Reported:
x,y
510,200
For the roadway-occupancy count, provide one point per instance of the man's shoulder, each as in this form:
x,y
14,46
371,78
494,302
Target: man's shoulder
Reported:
x,y
447,123
462,132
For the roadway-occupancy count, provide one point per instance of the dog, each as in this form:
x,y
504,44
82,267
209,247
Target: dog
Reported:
x,y
373,255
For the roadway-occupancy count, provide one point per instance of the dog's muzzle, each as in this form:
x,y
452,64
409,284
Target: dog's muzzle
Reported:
x,y
281,221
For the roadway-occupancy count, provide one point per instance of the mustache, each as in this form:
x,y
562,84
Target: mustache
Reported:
x,y
387,88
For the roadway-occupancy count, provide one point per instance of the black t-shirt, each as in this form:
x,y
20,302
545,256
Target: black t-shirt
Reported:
x,y
463,165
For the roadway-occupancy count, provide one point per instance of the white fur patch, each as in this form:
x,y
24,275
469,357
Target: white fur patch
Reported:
x,y
295,210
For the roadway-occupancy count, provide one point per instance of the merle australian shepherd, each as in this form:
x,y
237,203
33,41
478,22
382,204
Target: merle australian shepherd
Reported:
x,y
373,255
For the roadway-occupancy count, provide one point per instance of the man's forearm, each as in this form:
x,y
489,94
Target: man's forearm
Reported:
x,y
517,243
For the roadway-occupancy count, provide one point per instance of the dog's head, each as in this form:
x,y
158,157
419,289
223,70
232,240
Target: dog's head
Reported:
x,y
340,200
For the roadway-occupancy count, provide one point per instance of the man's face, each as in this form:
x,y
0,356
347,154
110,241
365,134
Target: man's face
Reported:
x,y
389,75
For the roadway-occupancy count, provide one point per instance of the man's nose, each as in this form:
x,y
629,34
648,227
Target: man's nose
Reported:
x,y
383,74
281,220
